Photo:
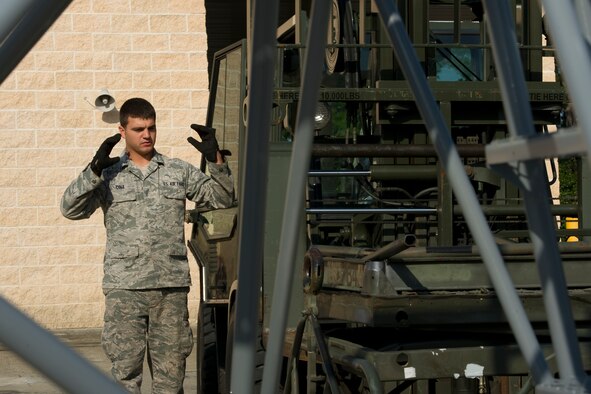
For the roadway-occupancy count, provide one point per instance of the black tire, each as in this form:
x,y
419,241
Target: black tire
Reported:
x,y
207,353
259,357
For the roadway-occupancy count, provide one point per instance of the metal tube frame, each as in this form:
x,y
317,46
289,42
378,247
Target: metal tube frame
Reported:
x,y
449,158
298,173
570,35
252,199
33,23
530,175
12,13
49,355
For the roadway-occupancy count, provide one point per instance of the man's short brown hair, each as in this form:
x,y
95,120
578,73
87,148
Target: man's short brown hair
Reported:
x,y
136,108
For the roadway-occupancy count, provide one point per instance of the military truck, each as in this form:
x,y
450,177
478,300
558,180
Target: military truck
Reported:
x,y
393,295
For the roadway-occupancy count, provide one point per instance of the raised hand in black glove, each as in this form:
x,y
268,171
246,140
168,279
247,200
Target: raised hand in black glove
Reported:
x,y
101,159
208,145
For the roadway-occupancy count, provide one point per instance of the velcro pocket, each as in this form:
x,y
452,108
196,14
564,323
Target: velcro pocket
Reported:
x,y
174,193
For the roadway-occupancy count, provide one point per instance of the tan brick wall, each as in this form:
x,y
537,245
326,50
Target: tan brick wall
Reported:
x,y
51,268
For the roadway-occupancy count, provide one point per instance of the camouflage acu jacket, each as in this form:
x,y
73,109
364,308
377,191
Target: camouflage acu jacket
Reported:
x,y
144,216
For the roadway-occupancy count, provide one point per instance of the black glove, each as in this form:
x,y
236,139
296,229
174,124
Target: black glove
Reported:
x,y
101,159
208,145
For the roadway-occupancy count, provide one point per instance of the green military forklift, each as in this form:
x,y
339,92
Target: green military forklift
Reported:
x,y
391,293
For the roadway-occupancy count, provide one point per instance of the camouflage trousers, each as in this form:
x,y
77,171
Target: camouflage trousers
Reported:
x,y
156,320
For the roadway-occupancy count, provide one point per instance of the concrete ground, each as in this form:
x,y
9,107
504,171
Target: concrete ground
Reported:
x,y
16,376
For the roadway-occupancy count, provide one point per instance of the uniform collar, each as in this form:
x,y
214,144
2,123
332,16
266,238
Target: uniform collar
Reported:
x,y
157,158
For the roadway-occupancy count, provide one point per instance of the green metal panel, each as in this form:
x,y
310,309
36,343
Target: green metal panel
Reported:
x,y
279,159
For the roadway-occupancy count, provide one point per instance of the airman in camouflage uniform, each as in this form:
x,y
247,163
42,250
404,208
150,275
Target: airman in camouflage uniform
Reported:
x,y
146,272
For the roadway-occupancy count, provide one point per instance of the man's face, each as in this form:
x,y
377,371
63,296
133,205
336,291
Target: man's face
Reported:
x,y
139,136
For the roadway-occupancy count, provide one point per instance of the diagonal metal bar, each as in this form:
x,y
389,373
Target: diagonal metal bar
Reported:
x,y
44,351
12,13
570,36
21,35
261,63
450,159
298,172
533,182
541,146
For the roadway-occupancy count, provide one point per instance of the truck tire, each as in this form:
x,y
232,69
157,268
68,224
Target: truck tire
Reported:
x,y
259,357
207,353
